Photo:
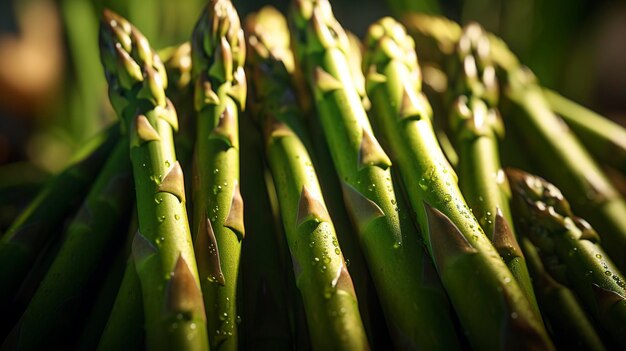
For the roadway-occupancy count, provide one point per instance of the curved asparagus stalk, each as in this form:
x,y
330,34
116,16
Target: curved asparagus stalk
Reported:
x,y
88,237
605,139
491,300
568,164
39,222
321,275
475,121
572,329
218,54
401,270
162,250
571,247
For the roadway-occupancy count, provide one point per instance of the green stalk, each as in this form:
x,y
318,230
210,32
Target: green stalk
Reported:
x,y
106,294
177,62
553,146
90,234
400,268
493,309
369,304
565,162
321,275
124,328
571,328
570,248
41,220
476,123
162,250
605,139
218,54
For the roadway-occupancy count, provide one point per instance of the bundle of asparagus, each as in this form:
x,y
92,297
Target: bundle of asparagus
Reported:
x,y
361,196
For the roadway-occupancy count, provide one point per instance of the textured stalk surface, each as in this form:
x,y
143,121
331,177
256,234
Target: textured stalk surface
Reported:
x,y
493,309
321,274
162,250
570,247
415,307
477,126
218,54
571,327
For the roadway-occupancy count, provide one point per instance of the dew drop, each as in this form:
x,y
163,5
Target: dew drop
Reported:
x,y
423,183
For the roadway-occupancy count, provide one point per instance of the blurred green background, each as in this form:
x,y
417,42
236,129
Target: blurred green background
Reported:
x,y
53,94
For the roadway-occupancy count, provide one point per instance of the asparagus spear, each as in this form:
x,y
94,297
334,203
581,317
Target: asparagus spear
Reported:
x,y
400,268
218,54
491,300
162,250
552,145
39,222
567,163
369,304
321,275
605,139
571,328
570,247
476,122
90,234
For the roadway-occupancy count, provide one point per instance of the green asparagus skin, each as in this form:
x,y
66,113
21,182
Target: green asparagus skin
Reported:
x,y
415,307
476,123
123,328
571,328
548,140
493,309
104,298
90,234
566,163
218,54
605,139
39,222
369,304
162,249
570,248
321,274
